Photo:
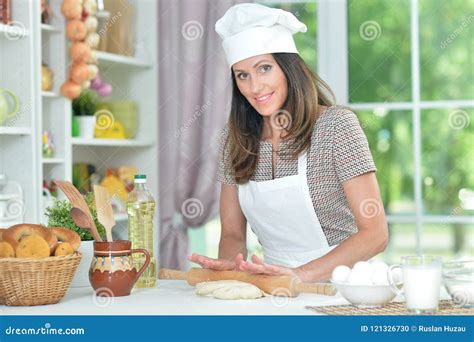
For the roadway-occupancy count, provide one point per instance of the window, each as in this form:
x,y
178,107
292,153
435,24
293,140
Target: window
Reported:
x,y
379,51
410,78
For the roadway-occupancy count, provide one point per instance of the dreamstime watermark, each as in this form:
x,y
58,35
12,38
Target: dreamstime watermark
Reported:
x,y
458,119
368,122
16,30
15,208
197,113
281,297
281,120
192,208
46,330
192,30
461,294
456,32
370,30
104,119
109,23
103,297
457,211
370,208
11,300
12,121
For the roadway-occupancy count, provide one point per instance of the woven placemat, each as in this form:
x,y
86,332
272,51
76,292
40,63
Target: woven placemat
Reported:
x,y
446,308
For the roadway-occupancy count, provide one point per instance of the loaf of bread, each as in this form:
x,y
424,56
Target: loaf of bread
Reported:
x,y
36,241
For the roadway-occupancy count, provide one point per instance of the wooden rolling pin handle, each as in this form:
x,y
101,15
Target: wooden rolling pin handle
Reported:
x,y
166,273
323,289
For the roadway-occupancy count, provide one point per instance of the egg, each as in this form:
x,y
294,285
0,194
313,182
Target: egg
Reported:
x,y
341,273
359,278
379,277
381,266
364,268
379,274
374,262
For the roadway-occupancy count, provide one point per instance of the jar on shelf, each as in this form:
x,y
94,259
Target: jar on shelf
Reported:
x,y
48,145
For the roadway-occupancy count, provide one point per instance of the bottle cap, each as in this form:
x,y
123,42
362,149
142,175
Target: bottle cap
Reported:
x,y
140,178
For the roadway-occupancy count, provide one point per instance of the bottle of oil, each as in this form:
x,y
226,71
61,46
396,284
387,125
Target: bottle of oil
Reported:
x,y
140,210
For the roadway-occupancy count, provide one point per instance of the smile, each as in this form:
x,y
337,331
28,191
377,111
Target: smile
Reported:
x,y
264,99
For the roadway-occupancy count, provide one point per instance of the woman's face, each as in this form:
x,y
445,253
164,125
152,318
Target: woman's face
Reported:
x,y
262,82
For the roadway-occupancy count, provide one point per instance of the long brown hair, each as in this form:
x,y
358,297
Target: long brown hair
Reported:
x,y
306,91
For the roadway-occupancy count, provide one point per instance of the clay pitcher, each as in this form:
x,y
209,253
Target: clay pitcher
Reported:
x,y
112,273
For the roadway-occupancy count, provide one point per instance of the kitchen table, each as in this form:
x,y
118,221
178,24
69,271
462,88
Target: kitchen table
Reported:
x,y
175,297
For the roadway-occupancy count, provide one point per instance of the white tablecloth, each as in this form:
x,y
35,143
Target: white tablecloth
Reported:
x,y
176,297
172,297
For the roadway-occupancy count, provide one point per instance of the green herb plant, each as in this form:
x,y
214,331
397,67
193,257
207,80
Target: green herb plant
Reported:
x,y
58,216
85,104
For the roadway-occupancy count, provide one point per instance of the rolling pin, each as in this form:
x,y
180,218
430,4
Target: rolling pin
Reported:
x,y
283,286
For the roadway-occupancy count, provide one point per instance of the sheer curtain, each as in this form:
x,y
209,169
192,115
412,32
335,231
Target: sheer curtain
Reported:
x,y
194,95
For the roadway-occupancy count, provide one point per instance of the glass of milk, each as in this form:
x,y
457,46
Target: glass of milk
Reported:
x,y
421,283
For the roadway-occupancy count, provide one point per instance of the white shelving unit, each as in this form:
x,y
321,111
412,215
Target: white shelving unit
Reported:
x,y
50,28
49,94
14,31
111,142
19,157
15,130
23,48
106,58
53,160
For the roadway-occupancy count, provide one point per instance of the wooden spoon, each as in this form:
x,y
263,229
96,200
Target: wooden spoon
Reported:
x,y
85,222
76,199
105,213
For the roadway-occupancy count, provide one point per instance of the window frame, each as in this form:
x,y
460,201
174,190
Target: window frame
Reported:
x,y
333,67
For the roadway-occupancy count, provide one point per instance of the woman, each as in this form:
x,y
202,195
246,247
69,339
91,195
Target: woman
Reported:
x,y
294,166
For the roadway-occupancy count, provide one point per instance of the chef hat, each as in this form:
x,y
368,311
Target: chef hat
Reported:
x,y
250,30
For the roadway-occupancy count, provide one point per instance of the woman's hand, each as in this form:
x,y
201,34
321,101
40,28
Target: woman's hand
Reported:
x,y
217,264
257,266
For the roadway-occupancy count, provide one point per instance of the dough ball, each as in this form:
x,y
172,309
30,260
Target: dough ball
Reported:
x,y
228,289
341,273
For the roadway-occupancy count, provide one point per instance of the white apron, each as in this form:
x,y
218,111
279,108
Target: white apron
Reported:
x,y
281,214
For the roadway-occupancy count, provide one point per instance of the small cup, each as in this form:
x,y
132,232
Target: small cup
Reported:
x,y
421,283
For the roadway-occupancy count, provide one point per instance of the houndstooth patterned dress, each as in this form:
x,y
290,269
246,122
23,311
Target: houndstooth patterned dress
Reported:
x,y
339,151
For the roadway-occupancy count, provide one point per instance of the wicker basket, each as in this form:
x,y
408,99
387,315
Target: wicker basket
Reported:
x,y
26,281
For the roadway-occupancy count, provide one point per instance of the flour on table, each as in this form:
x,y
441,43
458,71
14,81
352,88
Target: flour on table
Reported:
x,y
228,289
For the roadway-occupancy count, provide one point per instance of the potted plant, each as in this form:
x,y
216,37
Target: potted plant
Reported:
x,y
58,216
84,108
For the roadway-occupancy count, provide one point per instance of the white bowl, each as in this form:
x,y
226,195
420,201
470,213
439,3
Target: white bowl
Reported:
x,y
366,296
